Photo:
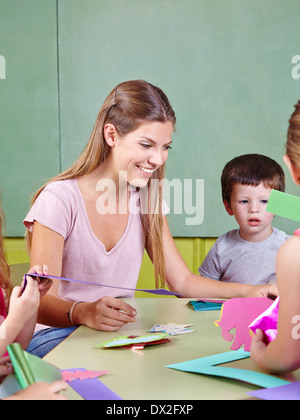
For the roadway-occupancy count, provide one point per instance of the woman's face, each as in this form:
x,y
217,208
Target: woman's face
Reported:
x,y
140,153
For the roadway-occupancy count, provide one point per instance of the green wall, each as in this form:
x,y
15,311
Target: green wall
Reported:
x,y
226,66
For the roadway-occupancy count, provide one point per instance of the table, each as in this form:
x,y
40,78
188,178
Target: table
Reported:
x,y
141,374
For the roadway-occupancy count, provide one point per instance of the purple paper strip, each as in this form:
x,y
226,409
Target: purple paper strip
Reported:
x,y
162,292
93,390
285,392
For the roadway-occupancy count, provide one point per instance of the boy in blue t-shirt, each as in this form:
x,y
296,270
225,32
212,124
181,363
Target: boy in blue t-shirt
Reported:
x,y
248,254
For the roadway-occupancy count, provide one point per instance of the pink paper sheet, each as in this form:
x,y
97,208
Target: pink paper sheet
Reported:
x,y
267,321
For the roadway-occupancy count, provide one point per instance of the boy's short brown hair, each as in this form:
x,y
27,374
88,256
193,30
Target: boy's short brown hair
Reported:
x,y
251,169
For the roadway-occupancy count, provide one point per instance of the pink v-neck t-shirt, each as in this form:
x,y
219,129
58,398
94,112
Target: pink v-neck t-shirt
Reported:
x,y
61,208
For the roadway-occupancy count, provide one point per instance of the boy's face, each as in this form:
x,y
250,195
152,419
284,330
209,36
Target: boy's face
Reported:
x,y
248,206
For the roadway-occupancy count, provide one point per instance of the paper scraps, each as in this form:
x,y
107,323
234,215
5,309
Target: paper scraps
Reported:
x,y
124,341
282,393
206,305
172,329
70,375
238,313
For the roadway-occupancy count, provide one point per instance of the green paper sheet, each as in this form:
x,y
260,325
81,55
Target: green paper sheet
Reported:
x,y
284,205
209,366
28,370
126,341
21,366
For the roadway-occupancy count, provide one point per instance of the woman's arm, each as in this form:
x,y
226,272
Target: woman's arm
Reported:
x,y
107,314
182,280
283,354
47,247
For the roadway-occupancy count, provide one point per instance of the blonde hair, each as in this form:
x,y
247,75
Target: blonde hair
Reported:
x,y
4,268
293,137
128,105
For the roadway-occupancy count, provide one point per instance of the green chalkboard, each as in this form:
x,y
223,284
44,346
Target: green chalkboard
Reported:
x,y
226,66
29,141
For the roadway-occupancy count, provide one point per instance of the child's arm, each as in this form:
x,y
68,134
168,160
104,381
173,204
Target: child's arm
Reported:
x,y
283,354
23,307
41,391
182,280
44,285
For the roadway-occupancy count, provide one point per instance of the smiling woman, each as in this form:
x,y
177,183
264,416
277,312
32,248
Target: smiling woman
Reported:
x,y
68,231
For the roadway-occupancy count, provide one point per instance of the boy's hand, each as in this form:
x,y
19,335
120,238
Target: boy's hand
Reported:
x,y
268,290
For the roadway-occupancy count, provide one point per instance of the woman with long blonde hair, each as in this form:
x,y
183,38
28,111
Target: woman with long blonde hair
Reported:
x,y
90,222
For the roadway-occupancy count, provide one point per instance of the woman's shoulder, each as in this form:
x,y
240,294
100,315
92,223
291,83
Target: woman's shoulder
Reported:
x,y
63,186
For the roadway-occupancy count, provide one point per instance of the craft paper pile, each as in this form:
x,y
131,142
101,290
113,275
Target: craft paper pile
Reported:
x,y
206,305
28,369
86,384
172,329
124,341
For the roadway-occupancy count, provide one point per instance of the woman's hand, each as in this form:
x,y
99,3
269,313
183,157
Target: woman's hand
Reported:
x,y
107,314
44,284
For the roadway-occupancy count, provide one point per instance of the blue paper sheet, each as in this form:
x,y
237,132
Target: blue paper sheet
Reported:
x,y
209,366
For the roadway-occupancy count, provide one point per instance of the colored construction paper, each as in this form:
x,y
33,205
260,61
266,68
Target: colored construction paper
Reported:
x,y
172,329
21,366
210,366
238,313
28,369
267,321
93,390
206,305
69,375
284,205
162,292
126,341
287,392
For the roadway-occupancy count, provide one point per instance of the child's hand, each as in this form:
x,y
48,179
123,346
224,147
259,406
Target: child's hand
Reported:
x,y
44,284
24,305
258,347
5,369
267,290
41,391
